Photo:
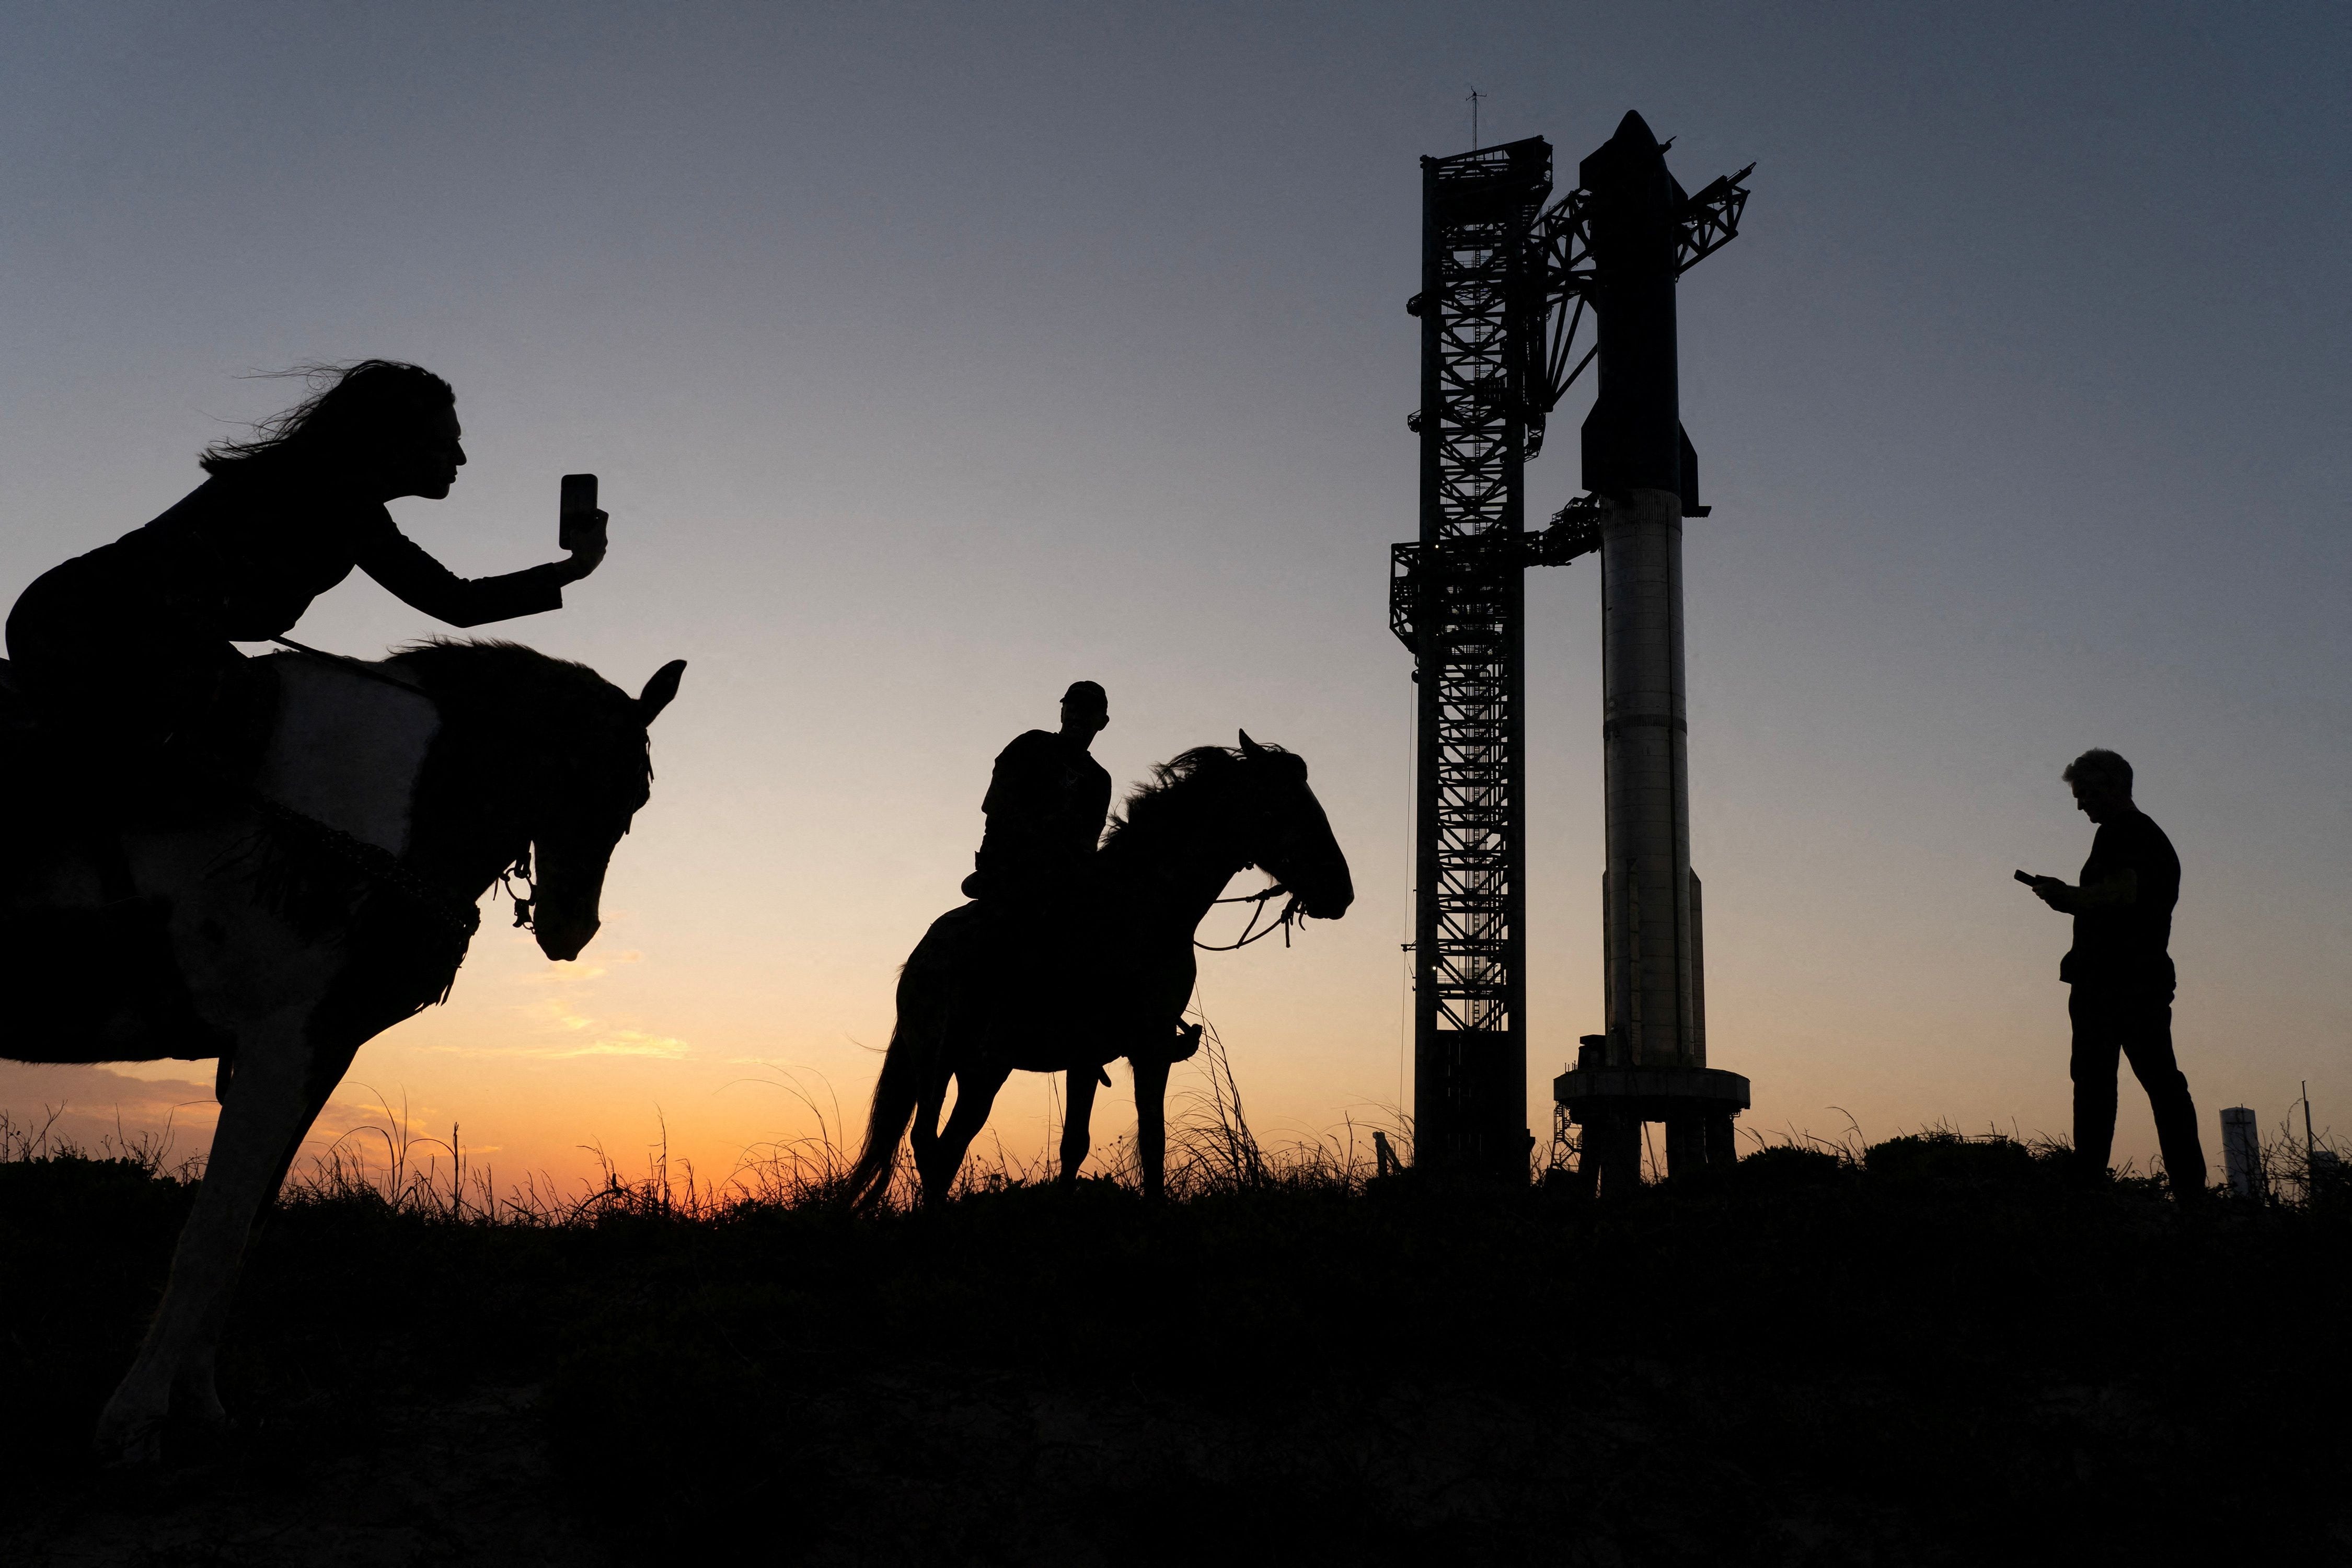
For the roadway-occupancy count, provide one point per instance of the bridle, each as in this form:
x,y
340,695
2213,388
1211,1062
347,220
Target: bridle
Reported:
x,y
526,902
1291,914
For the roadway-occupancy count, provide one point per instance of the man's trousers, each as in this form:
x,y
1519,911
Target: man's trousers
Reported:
x,y
2136,1024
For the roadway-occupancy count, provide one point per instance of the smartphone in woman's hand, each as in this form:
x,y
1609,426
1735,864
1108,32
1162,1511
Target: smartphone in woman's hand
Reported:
x,y
577,523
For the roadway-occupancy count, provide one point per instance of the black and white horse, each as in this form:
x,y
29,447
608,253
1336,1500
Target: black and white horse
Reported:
x,y
282,938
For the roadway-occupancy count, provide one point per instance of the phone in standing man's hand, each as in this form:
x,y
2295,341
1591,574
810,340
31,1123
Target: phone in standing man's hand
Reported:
x,y
576,526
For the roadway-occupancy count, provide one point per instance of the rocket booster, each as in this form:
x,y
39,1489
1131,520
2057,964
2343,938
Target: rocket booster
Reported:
x,y
1635,454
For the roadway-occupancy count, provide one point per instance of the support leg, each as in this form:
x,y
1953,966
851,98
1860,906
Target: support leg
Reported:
x,y
1620,1155
1586,1182
1685,1145
1722,1146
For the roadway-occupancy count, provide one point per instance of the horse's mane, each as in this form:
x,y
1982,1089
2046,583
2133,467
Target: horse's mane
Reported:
x,y
491,667
543,697
1175,784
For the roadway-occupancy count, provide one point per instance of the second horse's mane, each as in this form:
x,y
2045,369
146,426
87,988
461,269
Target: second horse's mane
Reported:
x,y
1176,785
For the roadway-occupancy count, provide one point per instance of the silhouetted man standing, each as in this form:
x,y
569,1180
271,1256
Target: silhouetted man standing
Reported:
x,y
2122,975
1045,805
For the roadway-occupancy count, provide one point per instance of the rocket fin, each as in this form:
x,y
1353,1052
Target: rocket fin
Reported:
x,y
1690,476
1601,443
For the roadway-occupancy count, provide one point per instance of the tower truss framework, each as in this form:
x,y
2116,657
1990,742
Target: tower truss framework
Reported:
x,y
1476,305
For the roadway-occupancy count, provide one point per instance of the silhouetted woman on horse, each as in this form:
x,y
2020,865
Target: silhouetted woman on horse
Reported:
x,y
126,652
306,839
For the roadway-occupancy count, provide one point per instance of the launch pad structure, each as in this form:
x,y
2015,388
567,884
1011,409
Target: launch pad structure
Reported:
x,y
1508,276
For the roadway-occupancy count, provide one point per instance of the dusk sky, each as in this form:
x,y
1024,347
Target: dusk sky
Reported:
x,y
933,356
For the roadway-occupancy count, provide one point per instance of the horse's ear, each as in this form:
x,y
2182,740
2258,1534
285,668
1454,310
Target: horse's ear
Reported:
x,y
1251,750
660,689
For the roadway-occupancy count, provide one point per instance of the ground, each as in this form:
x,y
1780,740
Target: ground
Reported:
x,y
1942,1354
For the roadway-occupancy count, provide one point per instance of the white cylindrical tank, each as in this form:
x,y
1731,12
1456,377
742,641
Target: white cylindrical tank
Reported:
x,y
2241,1152
1650,948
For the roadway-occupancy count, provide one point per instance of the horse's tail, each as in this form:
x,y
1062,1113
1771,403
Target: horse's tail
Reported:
x,y
896,1093
916,1040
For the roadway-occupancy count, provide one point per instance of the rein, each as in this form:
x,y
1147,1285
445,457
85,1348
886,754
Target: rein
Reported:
x,y
1283,923
379,865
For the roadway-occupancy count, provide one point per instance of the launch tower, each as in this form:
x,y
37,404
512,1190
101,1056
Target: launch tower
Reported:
x,y
1507,281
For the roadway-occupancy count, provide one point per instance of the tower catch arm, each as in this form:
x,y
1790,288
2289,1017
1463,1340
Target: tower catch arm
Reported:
x,y
1575,530
1711,220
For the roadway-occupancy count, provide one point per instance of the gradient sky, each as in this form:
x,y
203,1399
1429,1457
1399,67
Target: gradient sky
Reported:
x,y
935,355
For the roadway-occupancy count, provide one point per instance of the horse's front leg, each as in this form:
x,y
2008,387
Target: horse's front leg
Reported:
x,y
269,1109
1151,1119
1080,1083
197,1389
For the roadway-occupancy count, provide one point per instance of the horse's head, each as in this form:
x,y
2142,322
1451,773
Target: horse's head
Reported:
x,y
1285,833
595,778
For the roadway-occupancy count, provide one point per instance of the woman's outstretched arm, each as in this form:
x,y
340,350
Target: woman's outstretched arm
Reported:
x,y
418,581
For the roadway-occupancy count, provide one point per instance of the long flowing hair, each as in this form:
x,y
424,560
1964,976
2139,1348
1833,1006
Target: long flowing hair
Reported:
x,y
351,408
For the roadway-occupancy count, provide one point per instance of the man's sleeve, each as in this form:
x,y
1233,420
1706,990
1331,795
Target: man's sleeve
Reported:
x,y
1011,782
421,582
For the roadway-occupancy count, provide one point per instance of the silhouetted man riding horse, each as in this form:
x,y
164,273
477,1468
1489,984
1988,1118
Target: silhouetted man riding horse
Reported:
x,y
125,653
1048,800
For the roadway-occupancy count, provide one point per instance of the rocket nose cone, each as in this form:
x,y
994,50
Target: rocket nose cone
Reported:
x,y
1632,155
1636,129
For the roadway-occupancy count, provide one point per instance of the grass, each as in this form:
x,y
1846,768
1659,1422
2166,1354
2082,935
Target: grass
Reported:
x,y
1928,1350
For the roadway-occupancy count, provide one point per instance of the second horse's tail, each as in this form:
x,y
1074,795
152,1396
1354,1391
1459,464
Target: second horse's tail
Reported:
x,y
894,1095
